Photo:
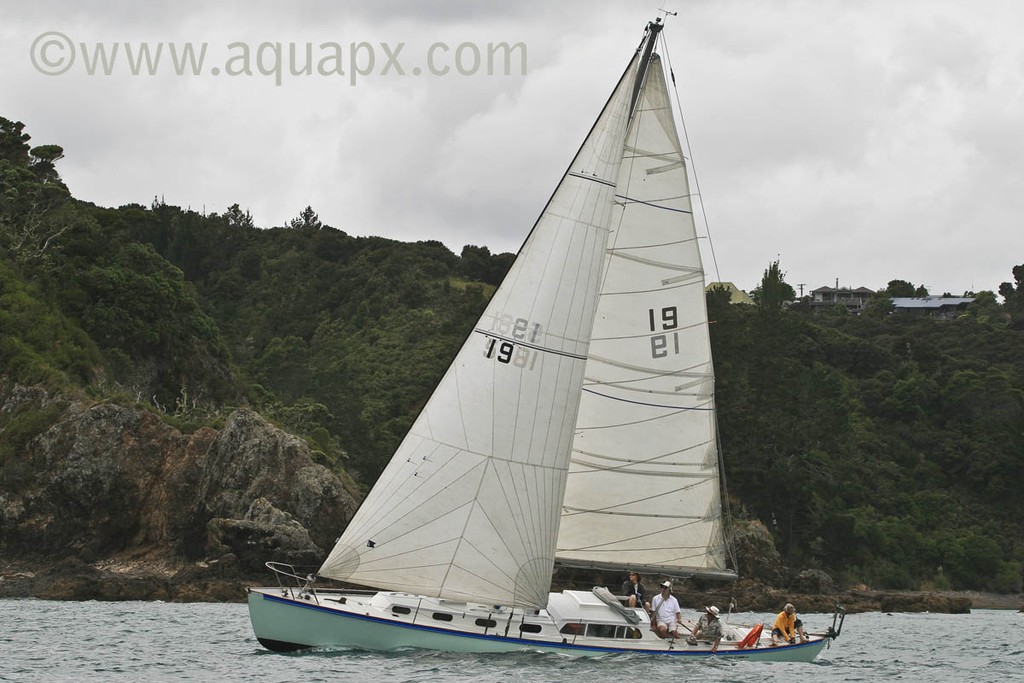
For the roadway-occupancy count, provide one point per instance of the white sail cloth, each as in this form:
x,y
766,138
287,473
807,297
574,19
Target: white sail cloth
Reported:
x,y
643,486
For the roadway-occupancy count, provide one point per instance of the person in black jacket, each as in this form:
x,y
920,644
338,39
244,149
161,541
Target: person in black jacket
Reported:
x,y
634,591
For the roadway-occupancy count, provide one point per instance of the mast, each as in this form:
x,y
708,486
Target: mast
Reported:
x,y
651,37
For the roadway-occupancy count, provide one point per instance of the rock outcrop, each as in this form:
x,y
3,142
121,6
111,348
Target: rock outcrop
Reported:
x,y
112,502
755,551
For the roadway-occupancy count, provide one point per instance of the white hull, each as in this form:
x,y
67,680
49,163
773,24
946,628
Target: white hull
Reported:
x,y
288,619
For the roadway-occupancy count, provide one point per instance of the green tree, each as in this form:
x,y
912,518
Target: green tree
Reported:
x,y
900,288
236,218
773,290
34,202
14,145
986,308
306,220
879,305
480,265
1013,297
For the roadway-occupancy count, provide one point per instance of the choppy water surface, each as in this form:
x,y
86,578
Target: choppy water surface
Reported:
x,y
154,641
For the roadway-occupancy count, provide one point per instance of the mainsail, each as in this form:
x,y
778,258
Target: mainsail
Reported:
x,y
643,486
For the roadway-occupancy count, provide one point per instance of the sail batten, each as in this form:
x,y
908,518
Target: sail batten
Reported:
x,y
652,458
655,290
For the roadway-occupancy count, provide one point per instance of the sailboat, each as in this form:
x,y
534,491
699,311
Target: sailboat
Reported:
x,y
576,425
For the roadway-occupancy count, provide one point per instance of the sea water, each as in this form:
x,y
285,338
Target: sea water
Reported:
x,y
155,641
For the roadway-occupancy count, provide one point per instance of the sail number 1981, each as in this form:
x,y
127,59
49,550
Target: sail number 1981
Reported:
x,y
664,320
506,351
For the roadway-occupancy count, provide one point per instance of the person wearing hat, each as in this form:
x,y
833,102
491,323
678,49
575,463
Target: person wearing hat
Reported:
x,y
709,628
665,614
634,591
787,626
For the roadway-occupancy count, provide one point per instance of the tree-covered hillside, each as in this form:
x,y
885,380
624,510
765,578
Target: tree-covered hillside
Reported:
x,y
888,450
884,449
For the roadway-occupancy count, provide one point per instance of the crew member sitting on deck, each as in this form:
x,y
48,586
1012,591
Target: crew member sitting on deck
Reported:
x,y
634,591
709,627
665,615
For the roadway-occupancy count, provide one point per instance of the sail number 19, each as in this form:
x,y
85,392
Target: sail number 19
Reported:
x,y
665,320
507,352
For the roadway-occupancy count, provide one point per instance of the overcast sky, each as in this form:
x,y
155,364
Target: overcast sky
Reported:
x,y
858,141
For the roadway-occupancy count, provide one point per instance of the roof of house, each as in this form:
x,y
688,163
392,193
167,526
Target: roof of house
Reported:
x,y
736,295
930,301
855,290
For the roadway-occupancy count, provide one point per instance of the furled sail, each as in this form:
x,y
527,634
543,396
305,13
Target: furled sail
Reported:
x,y
643,487
468,508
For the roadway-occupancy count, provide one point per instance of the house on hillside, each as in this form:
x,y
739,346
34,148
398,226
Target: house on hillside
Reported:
x,y
944,307
830,297
736,295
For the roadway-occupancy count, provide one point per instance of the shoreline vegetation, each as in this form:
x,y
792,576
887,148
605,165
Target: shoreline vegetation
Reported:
x,y
141,581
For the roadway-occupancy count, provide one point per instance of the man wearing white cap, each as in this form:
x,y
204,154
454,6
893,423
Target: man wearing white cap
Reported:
x,y
665,615
709,627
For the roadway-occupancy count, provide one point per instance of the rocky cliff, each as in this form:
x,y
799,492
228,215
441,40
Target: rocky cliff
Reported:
x,y
113,502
